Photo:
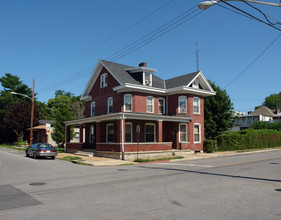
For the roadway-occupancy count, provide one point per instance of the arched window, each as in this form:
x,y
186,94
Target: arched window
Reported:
x,y
150,104
182,104
196,105
128,103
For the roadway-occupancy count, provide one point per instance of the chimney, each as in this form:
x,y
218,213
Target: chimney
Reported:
x,y
143,64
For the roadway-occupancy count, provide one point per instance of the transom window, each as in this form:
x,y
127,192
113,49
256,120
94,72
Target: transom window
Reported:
x,y
109,132
93,108
197,133
128,103
103,80
150,132
109,105
149,104
161,106
182,104
196,105
182,133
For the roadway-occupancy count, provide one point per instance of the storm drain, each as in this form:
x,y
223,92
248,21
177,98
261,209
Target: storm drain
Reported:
x,y
37,184
278,190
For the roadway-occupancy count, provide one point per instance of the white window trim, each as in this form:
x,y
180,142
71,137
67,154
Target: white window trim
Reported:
x,y
107,125
91,132
199,110
93,106
164,106
179,108
124,105
103,82
108,100
154,130
185,141
129,123
150,79
197,142
152,104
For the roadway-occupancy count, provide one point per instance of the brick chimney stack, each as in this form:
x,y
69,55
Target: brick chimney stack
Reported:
x,y
143,64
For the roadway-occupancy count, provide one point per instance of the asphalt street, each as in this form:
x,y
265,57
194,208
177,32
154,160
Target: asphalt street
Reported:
x,y
244,186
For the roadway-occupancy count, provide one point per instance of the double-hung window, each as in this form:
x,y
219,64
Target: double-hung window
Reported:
x,y
197,133
196,105
109,105
182,132
103,80
93,108
149,132
182,104
109,132
161,106
128,132
150,104
128,103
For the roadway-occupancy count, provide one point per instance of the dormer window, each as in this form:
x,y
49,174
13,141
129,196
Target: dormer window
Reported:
x,y
147,79
103,80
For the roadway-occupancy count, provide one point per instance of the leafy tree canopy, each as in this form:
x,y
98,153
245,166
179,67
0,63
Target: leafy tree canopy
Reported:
x,y
218,111
273,101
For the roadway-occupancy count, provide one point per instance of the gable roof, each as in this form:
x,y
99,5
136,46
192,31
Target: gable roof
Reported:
x,y
263,110
121,74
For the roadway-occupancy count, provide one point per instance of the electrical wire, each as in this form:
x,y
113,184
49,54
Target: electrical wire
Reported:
x,y
265,16
254,61
110,38
134,46
250,15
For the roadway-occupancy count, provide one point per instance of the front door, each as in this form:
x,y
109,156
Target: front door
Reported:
x,y
172,137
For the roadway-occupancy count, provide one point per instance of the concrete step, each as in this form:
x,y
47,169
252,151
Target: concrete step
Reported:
x,y
85,153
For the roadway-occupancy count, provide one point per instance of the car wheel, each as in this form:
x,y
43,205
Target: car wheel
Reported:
x,y
35,156
26,154
53,158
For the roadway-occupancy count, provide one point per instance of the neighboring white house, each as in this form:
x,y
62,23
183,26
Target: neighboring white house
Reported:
x,y
261,114
42,133
277,117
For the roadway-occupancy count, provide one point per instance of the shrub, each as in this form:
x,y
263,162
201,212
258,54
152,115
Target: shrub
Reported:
x,y
249,139
210,146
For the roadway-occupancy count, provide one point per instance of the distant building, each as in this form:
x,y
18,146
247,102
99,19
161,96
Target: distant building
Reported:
x,y
261,114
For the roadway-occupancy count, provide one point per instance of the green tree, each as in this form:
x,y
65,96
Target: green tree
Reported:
x,y
273,102
218,111
10,83
64,107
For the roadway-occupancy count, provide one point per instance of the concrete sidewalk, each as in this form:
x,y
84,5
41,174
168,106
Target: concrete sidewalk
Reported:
x,y
103,161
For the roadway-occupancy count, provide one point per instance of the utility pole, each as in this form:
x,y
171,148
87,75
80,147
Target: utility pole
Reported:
x,y
197,54
32,113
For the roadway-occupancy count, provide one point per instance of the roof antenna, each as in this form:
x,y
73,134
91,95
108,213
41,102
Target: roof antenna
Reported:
x,y
197,55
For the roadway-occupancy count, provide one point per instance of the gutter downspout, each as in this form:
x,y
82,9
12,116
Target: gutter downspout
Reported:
x,y
122,131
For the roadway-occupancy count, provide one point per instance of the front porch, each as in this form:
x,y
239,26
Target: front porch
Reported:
x,y
115,135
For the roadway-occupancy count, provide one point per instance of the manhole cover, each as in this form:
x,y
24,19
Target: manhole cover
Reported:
x,y
37,184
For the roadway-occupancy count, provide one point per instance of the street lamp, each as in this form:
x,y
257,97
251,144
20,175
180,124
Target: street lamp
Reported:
x,y
32,110
207,4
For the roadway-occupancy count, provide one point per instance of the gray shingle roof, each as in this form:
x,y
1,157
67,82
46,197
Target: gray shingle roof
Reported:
x,y
124,77
263,111
180,80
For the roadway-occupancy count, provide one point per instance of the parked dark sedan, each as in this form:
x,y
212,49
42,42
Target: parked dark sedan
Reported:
x,y
41,150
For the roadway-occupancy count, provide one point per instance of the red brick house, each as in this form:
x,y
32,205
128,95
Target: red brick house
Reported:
x,y
121,99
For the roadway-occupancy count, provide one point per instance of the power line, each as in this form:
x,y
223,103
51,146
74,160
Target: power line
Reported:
x,y
251,15
253,62
133,46
110,38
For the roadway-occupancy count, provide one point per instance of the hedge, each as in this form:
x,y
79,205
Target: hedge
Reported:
x,y
249,139
210,146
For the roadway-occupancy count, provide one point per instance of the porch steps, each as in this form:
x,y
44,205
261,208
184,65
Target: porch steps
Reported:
x,y
85,153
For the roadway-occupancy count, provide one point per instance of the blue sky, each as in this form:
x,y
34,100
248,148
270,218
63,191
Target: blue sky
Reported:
x,y
55,41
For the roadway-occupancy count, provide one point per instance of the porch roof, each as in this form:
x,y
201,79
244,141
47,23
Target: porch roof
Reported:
x,y
129,115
